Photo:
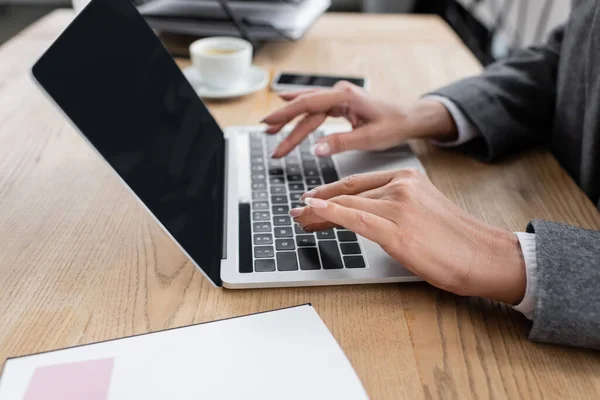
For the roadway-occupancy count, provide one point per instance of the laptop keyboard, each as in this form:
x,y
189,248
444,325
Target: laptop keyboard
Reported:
x,y
278,244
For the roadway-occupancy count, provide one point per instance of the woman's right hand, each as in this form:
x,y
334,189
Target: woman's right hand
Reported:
x,y
376,124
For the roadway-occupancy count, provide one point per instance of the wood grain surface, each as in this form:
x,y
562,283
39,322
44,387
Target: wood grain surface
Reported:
x,y
80,261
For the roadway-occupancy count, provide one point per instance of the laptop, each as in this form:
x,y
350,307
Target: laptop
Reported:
x,y
215,192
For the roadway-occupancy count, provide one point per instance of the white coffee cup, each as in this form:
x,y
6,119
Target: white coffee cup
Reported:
x,y
223,62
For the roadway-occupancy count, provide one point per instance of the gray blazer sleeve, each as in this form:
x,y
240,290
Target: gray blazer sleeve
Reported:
x,y
512,102
568,293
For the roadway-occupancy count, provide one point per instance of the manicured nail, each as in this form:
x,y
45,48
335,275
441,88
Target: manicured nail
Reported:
x,y
315,203
321,149
310,193
296,212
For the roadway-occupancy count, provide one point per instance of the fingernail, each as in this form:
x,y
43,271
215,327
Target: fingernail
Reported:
x,y
310,193
272,153
315,203
296,212
321,149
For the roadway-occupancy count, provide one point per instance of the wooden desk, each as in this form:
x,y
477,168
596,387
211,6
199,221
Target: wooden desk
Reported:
x,y
80,261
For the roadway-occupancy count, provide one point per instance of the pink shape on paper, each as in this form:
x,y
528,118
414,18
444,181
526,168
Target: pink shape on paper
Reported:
x,y
81,380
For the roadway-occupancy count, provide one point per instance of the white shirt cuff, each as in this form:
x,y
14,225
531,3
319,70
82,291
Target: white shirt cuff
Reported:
x,y
527,305
466,130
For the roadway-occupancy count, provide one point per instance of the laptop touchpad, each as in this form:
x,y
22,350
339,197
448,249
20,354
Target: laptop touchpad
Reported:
x,y
359,162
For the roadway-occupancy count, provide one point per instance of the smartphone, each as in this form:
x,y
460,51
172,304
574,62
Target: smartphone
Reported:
x,y
289,82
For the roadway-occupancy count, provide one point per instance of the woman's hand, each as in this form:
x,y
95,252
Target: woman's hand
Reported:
x,y
376,124
418,226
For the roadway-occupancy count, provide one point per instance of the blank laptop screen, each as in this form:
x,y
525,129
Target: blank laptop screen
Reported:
x,y
112,77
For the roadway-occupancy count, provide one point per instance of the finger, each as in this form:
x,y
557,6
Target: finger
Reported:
x,y
272,129
298,134
312,222
307,215
359,138
316,103
354,214
353,184
289,96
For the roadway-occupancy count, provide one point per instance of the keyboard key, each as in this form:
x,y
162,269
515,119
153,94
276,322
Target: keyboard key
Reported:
x,y
306,155
259,185
292,159
318,134
305,240
261,216
330,178
264,265
354,262
260,227
257,168
309,162
309,258
279,199
281,210
259,195
286,261
256,153
326,163
264,252
295,196
245,265
293,169
277,180
257,160
278,190
277,171
304,145
282,220
294,178
346,236
296,187
350,248
273,163
330,254
285,244
260,205
297,205
299,230
313,181
328,170
311,172
258,177
283,232
327,234
263,238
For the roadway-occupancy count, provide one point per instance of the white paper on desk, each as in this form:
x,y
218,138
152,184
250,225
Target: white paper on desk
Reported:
x,y
283,354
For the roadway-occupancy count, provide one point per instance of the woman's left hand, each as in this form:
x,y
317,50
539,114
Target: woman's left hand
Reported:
x,y
419,227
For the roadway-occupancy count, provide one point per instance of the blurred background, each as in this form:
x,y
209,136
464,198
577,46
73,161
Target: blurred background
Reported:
x,y
490,28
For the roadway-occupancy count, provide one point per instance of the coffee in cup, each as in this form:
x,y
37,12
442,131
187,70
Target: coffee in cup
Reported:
x,y
223,62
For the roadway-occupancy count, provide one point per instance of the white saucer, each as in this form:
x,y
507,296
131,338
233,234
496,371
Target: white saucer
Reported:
x,y
257,79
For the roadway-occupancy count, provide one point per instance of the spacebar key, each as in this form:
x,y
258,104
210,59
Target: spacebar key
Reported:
x,y
330,254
